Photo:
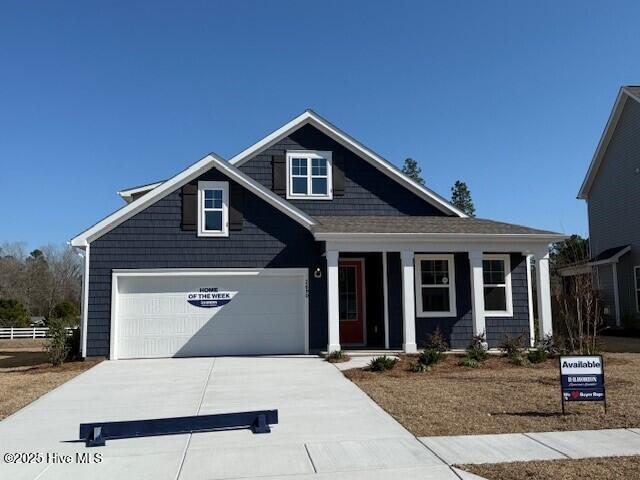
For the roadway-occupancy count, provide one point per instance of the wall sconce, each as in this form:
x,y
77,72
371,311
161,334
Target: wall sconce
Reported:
x,y
317,273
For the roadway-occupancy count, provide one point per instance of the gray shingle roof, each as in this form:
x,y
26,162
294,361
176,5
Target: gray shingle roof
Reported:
x,y
407,224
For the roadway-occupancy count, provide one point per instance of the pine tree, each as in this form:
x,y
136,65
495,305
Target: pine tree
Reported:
x,y
412,170
461,198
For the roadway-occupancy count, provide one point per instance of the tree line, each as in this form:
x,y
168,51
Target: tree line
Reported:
x,y
47,283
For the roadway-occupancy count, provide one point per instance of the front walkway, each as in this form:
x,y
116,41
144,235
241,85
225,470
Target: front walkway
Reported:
x,y
523,447
328,427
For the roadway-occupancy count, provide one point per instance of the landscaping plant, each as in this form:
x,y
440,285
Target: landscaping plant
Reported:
x,y
513,347
380,364
337,356
59,345
436,341
537,356
477,349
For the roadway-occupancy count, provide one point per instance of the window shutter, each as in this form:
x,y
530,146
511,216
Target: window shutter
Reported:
x,y
189,207
236,207
338,174
279,174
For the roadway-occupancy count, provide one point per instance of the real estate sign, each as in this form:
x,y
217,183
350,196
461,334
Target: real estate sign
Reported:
x,y
582,379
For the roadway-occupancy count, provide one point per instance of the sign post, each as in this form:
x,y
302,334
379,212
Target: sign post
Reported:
x,y
582,379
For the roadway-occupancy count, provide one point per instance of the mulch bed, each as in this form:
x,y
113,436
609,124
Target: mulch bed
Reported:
x,y
588,469
499,397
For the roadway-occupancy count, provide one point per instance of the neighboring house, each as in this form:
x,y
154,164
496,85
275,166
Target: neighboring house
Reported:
x,y
612,191
306,241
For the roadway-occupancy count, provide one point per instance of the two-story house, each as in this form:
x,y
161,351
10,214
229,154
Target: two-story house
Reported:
x,y
611,189
306,241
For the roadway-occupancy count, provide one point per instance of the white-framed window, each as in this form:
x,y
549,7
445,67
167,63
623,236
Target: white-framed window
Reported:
x,y
435,285
636,276
309,175
213,209
496,275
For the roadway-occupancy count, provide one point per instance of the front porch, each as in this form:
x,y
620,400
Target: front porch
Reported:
x,y
372,286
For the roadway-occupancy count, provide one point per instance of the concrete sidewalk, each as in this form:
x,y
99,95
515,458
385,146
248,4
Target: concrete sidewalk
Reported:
x,y
523,447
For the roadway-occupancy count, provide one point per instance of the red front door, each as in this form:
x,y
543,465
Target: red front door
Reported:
x,y
351,289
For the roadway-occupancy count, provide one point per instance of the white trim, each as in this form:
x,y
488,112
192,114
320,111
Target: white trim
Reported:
x,y
450,286
85,302
616,295
128,193
364,300
478,322
637,287
174,272
545,314
333,297
385,299
312,118
309,155
605,138
507,286
209,185
195,170
532,327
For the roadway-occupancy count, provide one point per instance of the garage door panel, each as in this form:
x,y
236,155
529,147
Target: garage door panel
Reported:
x,y
266,316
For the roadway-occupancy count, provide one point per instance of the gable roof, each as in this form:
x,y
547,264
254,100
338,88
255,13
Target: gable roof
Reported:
x,y
210,161
384,166
625,93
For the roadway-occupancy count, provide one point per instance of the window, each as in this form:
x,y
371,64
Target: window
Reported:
x,y
213,209
435,286
309,175
636,272
496,273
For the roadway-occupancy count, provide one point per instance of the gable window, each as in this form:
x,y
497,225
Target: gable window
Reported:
x,y
636,271
496,273
435,286
309,175
213,209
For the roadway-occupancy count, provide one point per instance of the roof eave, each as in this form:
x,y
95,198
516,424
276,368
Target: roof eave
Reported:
x,y
443,237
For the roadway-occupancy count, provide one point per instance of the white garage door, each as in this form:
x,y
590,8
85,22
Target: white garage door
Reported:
x,y
206,313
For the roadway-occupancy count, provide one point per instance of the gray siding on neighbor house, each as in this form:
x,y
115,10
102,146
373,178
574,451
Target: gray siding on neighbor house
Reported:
x,y
459,330
604,284
614,201
153,238
367,191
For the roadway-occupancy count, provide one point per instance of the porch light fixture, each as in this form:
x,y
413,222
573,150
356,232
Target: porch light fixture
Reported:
x,y
317,273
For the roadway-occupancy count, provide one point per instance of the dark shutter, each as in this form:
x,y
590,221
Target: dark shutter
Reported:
x,y
189,207
236,207
279,174
338,174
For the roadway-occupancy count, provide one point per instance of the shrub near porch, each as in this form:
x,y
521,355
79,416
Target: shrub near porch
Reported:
x,y
499,397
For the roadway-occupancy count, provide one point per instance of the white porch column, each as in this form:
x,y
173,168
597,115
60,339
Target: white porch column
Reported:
x,y
532,325
545,321
477,292
332,301
408,303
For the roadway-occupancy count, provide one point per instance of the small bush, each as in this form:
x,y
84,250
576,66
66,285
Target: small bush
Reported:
x,y
337,356
537,356
513,346
419,367
477,349
436,341
59,346
554,346
520,361
380,364
430,356
469,362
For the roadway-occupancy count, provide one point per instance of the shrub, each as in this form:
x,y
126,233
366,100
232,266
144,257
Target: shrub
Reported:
x,y
68,312
13,314
59,346
419,367
430,356
469,362
337,356
537,356
380,364
553,346
436,341
520,361
477,349
513,346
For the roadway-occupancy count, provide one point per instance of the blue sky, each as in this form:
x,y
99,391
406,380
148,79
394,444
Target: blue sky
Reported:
x,y
510,97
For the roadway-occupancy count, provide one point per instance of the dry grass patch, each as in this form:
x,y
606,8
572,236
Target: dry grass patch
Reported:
x,y
588,469
25,373
498,397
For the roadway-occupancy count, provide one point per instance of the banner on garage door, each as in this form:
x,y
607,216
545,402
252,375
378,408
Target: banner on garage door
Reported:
x,y
210,297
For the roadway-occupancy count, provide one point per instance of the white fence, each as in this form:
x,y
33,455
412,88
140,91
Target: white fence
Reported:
x,y
31,332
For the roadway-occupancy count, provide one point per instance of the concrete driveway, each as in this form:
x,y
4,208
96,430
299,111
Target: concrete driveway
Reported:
x,y
328,427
